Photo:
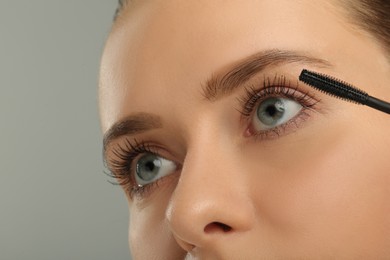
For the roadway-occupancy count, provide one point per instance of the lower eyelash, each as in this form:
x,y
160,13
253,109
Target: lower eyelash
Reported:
x,y
289,126
144,190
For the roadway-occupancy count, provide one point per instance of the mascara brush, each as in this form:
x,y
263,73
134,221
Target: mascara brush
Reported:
x,y
343,90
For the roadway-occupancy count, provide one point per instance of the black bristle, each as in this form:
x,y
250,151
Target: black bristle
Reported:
x,y
334,87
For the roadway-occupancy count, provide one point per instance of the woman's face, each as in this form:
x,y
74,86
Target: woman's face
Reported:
x,y
223,154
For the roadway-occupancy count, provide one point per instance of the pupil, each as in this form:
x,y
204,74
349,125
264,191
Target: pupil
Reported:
x,y
271,110
149,166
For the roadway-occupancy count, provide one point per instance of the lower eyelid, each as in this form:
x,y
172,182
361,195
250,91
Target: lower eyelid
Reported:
x,y
146,192
290,126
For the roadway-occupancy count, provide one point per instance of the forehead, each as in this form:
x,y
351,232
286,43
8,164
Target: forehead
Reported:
x,y
169,48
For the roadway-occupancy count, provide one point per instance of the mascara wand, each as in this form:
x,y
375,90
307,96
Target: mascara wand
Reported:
x,y
343,90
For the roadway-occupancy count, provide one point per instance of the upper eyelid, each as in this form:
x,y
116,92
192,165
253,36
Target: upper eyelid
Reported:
x,y
279,84
263,81
133,148
138,146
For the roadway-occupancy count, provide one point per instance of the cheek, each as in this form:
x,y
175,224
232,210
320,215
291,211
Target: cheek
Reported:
x,y
149,234
326,187
348,194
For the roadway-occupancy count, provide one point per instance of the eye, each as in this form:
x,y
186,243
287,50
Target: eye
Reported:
x,y
138,167
149,168
275,111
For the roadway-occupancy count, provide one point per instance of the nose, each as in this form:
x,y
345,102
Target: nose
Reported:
x,y
211,201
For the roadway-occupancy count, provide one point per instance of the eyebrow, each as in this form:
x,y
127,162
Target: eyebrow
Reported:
x,y
223,84
217,86
131,125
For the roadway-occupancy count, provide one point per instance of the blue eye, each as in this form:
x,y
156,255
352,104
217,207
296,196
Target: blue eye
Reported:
x,y
151,167
275,111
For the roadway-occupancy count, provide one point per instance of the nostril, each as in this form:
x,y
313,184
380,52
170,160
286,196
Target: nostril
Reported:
x,y
217,227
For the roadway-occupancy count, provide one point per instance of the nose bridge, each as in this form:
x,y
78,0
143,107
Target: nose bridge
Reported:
x,y
211,161
210,198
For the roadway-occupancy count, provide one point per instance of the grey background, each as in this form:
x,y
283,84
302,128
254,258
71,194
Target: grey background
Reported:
x,y
55,201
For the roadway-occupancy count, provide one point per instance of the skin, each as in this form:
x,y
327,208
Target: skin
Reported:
x,y
318,191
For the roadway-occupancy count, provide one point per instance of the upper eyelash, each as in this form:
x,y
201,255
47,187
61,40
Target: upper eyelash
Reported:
x,y
120,168
278,87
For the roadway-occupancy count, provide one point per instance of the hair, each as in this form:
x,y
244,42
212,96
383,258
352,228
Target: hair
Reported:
x,y
373,16
120,8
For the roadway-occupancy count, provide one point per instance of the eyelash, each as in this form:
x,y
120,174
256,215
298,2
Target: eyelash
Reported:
x,y
279,87
121,168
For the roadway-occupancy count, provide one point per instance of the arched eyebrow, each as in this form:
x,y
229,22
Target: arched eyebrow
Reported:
x,y
216,87
223,84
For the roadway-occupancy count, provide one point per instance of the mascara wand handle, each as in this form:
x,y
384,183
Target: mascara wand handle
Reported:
x,y
378,104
